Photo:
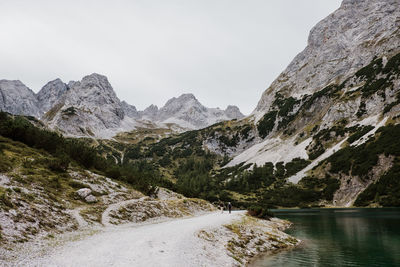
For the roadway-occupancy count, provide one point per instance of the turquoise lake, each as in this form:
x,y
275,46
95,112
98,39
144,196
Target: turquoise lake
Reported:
x,y
340,237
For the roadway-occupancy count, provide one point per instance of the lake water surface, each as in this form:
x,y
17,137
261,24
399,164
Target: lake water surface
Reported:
x,y
340,237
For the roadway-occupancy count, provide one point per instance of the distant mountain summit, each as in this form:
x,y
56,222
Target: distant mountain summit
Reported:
x,y
50,94
16,98
188,112
90,107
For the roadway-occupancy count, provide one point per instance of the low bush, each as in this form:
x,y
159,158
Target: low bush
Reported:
x,y
260,212
266,124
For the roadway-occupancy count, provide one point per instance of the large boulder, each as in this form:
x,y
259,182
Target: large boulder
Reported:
x,y
84,192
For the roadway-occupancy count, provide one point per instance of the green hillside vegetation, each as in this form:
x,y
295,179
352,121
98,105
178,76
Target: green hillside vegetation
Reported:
x,y
34,167
361,159
65,151
284,111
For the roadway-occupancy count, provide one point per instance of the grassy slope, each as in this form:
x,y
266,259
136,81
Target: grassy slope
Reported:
x,y
35,200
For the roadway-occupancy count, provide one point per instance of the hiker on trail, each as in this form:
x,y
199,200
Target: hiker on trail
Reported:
x,y
221,206
229,207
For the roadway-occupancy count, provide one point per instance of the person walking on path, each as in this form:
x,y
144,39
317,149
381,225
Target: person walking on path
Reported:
x,y
221,206
229,207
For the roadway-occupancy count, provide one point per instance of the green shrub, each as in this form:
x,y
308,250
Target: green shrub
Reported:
x,y
386,191
59,164
245,131
5,164
260,212
5,201
316,152
69,111
359,133
76,185
229,141
266,124
361,159
296,165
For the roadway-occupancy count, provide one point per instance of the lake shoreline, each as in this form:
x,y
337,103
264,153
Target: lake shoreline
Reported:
x,y
339,236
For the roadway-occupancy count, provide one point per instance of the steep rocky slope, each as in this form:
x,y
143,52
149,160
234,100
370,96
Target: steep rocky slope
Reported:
x,y
338,46
130,110
343,86
89,107
16,98
50,94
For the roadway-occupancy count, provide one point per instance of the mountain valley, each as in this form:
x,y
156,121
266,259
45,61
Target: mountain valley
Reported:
x,y
324,134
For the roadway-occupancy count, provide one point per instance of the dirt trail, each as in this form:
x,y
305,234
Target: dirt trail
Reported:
x,y
171,243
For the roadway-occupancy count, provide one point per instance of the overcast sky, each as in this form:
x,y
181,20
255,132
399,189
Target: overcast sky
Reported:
x,y
222,51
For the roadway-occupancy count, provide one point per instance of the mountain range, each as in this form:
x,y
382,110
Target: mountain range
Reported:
x,y
90,107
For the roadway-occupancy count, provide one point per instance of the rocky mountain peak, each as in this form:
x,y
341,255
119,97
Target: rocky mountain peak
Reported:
x,y
130,110
233,112
88,107
182,104
188,112
95,80
150,113
50,94
94,92
338,46
16,98
186,97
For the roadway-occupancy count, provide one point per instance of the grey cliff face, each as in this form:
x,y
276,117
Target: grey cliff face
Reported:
x,y
88,107
18,99
95,93
50,94
150,113
233,112
130,110
338,46
181,105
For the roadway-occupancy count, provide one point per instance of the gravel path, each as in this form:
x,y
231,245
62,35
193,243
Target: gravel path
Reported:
x,y
75,213
171,243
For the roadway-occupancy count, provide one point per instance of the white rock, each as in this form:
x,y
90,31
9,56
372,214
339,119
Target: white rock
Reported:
x,y
90,199
84,192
